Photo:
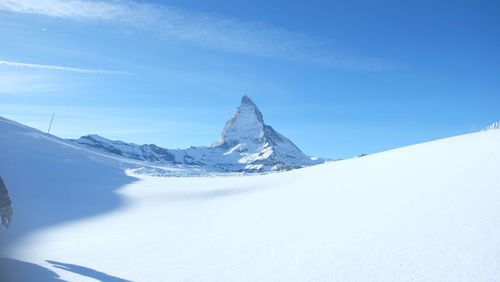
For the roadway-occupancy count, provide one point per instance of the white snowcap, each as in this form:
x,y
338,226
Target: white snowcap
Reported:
x,y
245,126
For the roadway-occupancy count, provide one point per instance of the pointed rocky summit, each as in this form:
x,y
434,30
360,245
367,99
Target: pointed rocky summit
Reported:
x,y
256,144
245,125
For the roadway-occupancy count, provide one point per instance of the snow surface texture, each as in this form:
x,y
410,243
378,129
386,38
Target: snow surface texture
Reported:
x,y
246,144
427,212
493,126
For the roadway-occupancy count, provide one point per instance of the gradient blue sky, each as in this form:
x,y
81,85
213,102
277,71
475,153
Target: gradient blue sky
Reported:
x,y
339,78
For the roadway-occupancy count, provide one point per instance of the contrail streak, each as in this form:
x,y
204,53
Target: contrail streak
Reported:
x,y
60,68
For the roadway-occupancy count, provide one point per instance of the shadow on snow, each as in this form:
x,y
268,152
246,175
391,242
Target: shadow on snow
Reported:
x,y
52,182
15,270
85,271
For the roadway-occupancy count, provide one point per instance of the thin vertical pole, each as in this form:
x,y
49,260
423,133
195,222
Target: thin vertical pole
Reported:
x,y
48,131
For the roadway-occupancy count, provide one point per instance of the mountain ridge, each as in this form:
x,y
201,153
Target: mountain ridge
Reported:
x,y
246,144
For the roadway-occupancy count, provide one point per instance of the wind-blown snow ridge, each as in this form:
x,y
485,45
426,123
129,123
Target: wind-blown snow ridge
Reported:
x,y
246,144
493,126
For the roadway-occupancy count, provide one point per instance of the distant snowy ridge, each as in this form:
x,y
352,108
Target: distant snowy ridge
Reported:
x,y
246,144
492,126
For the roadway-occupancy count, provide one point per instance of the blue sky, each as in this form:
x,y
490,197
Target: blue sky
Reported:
x,y
339,78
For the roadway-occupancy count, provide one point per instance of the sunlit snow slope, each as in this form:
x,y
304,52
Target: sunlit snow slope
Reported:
x,y
427,212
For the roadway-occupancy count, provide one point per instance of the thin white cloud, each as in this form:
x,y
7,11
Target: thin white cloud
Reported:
x,y
207,30
60,68
67,8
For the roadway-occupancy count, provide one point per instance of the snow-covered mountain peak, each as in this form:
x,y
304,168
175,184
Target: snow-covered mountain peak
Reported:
x,y
245,100
493,126
248,139
245,126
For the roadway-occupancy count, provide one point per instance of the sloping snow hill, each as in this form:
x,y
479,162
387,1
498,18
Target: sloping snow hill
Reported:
x,y
427,212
